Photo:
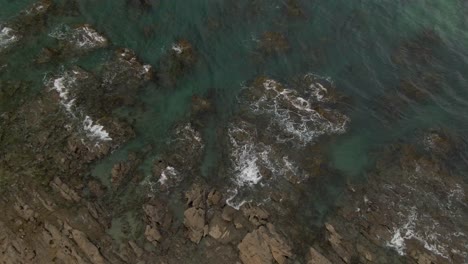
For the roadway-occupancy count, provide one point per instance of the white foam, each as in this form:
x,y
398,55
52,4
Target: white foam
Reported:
x,y
231,199
244,159
295,115
146,68
7,37
94,130
168,173
177,48
64,85
421,225
83,37
37,8
290,115
86,37
403,233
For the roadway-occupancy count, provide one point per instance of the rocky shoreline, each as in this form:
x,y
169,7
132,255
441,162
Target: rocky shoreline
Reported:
x,y
412,208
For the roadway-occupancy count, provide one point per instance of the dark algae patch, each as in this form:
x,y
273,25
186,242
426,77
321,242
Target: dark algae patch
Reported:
x,y
254,132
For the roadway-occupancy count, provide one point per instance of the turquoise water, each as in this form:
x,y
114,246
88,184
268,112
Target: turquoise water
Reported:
x,y
368,48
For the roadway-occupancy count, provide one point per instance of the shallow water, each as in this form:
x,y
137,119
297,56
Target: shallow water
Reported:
x,y
354,43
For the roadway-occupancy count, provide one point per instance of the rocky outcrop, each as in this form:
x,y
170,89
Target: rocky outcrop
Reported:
x,y
179,60
194,216
194,220
158,218
314,257
273,42
410,211
66,192
264,245
123,171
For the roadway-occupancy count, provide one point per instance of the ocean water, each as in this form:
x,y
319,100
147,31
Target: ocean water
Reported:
x,y
368,48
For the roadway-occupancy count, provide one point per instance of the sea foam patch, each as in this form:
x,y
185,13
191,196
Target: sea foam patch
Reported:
x,y
299,118
255,166
8,36
83,37
296,117
423,219
94,130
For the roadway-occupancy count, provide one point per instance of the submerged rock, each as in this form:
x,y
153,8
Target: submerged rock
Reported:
x,y
183,158
181,58
273,42
414,206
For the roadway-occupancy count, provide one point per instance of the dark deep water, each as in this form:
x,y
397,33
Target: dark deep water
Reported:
x,y
403,66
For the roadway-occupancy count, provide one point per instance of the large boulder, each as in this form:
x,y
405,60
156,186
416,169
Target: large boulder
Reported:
x,y
264,245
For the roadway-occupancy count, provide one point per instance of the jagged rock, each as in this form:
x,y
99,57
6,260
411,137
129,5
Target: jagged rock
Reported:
x,y
214,197
256,215
65,250
66,192
196,196
194,220
314,257
264,245
96,189
228,213
365,253
254,250
221,230
24,210
136,249
119,172
87,247
14,249
152,235
157,214
335,241
122,171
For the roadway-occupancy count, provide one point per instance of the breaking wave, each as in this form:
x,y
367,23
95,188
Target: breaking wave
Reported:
x,y
64,85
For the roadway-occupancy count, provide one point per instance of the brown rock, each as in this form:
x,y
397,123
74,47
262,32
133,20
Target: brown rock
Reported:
x,y
335,241
221,230
91,251
194,220
228,213
272,42
66,192
365,253
152,235
119,172
96,188
253,249
65,250
24,210
263,245
314,257
200,105
214,197
256,215
196,197
136,249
